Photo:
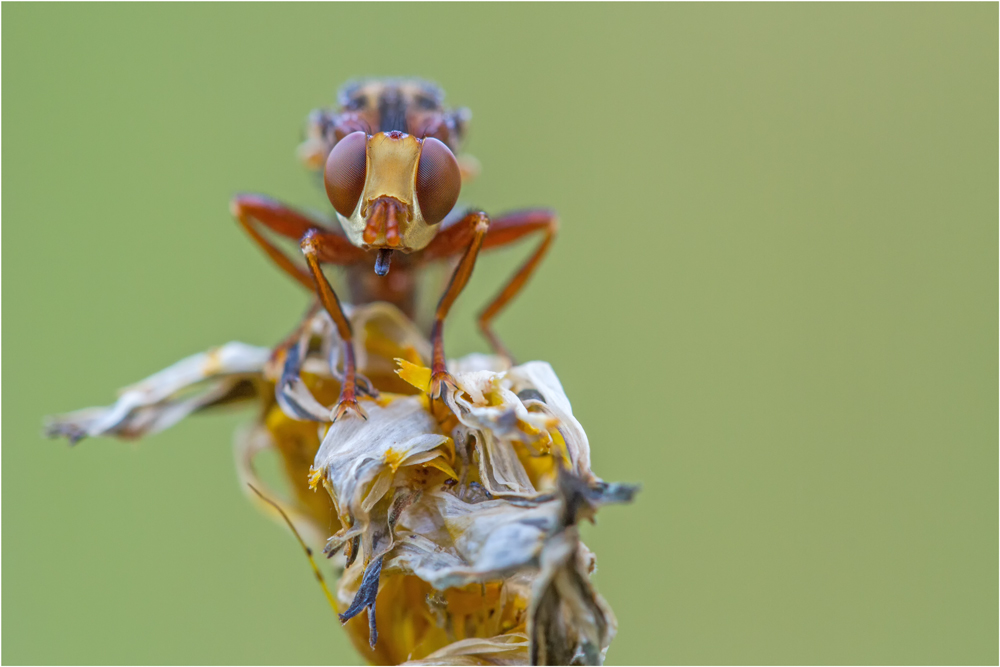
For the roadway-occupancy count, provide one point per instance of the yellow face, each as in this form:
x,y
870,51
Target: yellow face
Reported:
x,y
391,190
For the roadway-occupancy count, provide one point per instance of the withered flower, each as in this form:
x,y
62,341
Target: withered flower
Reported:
x,y
455,533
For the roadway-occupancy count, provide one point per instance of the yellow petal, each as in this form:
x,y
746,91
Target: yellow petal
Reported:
x,y
443,466
392,458
414,374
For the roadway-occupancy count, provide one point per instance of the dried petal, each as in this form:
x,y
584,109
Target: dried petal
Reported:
x,y
455,522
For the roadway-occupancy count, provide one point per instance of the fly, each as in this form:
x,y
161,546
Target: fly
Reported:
x,y
390,172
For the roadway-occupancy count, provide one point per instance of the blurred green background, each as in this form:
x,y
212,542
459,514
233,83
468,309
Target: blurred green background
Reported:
x,y
773,302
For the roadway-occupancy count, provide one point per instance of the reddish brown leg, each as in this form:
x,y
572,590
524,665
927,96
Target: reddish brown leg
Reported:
x,y
287,222
503,231
314,246
331,248
474,226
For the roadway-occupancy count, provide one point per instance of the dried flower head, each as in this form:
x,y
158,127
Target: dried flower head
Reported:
x,y
455,521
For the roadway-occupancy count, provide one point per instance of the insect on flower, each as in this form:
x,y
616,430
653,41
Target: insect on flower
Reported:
x,y
390,171
450,511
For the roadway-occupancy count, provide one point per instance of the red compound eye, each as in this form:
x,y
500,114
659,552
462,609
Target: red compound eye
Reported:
x,y
345,172
438,181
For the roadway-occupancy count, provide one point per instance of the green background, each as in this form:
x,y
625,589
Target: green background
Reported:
x,y
773,302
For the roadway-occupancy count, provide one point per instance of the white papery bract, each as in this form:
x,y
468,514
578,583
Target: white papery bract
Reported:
x,y
451,524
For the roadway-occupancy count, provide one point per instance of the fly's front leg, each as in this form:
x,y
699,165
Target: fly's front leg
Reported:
x,y
332,248
253,210
472,227
504,230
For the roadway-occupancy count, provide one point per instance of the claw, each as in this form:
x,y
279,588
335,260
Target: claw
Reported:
x,y
440,380
345,405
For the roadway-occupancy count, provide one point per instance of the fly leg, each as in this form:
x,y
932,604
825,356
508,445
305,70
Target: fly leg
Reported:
x,y
469,233
503,230
333,248
251,210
